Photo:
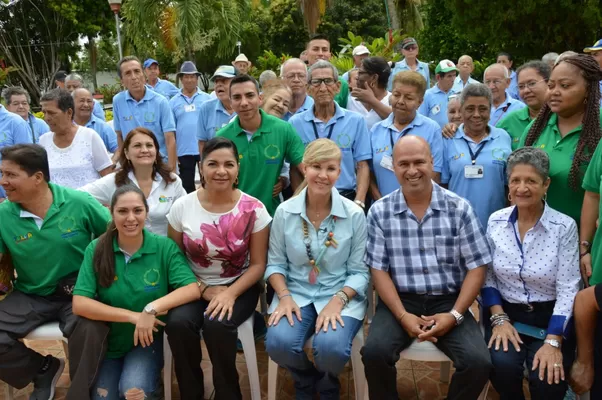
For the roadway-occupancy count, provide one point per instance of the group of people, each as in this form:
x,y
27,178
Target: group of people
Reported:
x,y
317,186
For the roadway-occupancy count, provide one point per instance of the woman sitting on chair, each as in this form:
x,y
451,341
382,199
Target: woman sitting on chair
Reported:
x,y
316,266
531,287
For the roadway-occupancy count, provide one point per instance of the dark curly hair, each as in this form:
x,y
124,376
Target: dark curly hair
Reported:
x,y
591,132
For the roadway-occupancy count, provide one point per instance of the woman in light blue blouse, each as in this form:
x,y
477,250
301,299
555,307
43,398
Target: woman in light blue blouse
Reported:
x,y
531,286
316,266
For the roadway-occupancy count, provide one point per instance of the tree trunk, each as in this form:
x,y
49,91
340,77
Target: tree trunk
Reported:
x,y
394,14
93,61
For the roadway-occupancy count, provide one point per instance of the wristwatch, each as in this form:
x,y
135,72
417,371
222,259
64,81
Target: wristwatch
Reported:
x,y
459,317
552,342
150,309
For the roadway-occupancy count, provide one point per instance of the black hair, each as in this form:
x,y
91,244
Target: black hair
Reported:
x,y
214,144
317,36
64,100
124,60
505,54
238,79
104,255
60,76
378,66
31,158
541,67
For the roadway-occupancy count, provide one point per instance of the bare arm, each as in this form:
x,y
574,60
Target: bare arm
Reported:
x,y
374,191
473,282
296,176
172,156
106,171
363,180
176,237
97,311
381,109
387,292
117,153
589,216
586,311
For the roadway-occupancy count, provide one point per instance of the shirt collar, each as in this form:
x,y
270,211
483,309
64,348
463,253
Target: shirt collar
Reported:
x,y
58,198
523,114
437,200
297,205
148,94
338,113
389,122
262,127
149,245
156,84
198,92
544,220
3,112
494,133
92,121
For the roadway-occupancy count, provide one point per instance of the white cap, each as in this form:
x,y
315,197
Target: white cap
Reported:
x,y
359,50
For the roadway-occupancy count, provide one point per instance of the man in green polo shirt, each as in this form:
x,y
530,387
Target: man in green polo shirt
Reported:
x,y
46,228
264,142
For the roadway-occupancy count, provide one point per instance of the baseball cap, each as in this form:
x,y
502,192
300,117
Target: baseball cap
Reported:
x,y
359,50
60,76
150,62
225,71
408,42
445,66
596,47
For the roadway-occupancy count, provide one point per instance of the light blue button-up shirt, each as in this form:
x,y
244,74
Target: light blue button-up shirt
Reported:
x,y
212,117
152,112
164,88
186,112
104,130
434,105
383,137
13,130
307,104
39,126
500,112
340,266
486,194
423,69
513,88
98,110
349,132
459,84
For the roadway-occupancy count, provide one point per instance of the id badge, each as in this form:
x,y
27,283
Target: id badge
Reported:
x,y
473,171
435,110
189,108
387,162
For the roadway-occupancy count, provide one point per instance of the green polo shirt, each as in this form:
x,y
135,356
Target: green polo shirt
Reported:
x,y
561,150
150,273
262,157
591,183
515,124
42,256
343,95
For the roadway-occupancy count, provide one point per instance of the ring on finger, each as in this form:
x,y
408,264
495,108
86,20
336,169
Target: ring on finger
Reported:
x,y
498,337
556,365
275,312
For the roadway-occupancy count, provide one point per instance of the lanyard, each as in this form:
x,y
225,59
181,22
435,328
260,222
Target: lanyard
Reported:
x,y
313,124
473,156
501,115
33,133
391,137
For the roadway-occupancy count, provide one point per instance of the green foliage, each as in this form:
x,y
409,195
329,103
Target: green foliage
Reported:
x,y
286,32
107,55
109,91
379,47
342,63
4,72
87,17
271,61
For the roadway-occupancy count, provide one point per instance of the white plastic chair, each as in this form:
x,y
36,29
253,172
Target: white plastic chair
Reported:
x,y
245,334
359,377
49,331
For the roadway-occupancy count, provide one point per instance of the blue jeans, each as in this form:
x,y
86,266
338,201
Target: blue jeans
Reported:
x,y
331,351
140,368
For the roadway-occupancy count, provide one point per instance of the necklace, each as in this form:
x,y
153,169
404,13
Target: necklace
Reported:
x,y
328,242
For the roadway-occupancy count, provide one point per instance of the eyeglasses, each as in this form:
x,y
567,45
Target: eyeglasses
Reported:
x,y
453,96
496,82
529,85
17,104
318,82
290,77
410,48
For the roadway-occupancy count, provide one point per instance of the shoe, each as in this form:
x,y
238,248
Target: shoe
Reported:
x,y
44,384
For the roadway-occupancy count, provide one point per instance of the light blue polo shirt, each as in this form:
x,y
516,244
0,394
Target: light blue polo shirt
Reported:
x,y
98,110
106,133
486,194
164,88
423,69
459,84
212,117
186,112
383,137
152,112
39,126
513,88
600,94
505,108
347,129
307,104
434,105
13,130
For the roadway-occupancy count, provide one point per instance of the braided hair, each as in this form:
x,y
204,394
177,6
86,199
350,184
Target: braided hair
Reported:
x,y
591,132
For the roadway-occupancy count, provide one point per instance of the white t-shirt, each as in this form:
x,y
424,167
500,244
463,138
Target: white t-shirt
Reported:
x,y
160,199
217,245
79,163
371,116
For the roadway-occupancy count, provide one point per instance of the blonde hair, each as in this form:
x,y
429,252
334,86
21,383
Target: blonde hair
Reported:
x,y
272,86
318,151
411,78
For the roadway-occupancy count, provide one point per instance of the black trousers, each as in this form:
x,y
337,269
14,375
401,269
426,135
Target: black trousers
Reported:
x,y
464,345
188,165
21,313
183,329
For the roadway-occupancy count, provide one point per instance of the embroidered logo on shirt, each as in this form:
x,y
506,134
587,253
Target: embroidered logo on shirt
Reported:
x,y
151,280
382,149
458,156
67,226
272,152
499,154
128,118
165,199
343,140
149,117
22,238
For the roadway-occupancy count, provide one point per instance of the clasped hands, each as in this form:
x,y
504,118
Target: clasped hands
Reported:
x,y
427,328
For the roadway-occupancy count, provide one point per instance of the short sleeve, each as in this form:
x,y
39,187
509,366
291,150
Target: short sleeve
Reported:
x,y
523,137
168,123
474,246
98,110
175,214
97,215
116,114
101,159
362,149
591,180
87,283
376,246
445,174
111,137
294,148
101,189
202,134
178,270
21,132
179,190
263,218
437,150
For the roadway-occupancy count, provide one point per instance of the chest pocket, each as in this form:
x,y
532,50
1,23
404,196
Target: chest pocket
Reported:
x,y
447,249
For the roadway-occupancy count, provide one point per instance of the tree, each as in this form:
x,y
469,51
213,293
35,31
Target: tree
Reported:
x,y
286,32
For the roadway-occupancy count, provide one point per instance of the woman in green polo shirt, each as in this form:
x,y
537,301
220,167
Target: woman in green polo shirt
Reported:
x,y
125,279
532,87
568,129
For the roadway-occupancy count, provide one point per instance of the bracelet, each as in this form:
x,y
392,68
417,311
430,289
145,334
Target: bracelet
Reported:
x,y
284,295
343,297
499,319
581,255
283,290
205,289
402,315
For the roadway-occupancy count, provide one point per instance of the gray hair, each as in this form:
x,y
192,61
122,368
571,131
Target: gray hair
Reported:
x,y
564,55
267,75
549,58
74,77
11,91
124,60
291,61
492,66
323,64
475,90
78,90
533,156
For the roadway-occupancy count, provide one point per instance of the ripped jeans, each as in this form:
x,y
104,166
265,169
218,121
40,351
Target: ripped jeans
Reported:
x,y
138,369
